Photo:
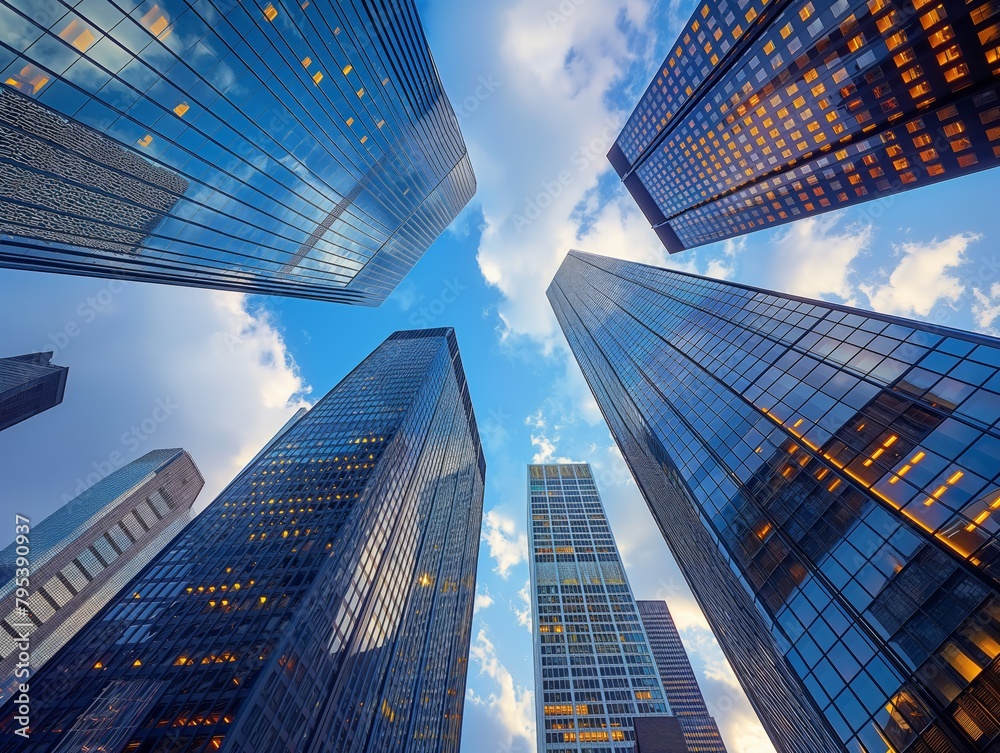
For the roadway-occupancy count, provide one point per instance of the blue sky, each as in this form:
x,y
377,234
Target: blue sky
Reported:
x,y
541,87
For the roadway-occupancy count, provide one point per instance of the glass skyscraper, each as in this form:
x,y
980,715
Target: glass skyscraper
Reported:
x,y
29,384
701,733
322,602
828,481
85,552
764,112
295,148
594,669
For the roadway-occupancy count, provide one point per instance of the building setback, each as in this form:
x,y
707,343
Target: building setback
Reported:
x,y
85,552
293,148
827,479
764,112
29,384
679,684
594,669
323,602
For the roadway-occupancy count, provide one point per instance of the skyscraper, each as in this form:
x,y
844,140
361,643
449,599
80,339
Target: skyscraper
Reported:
x,y
679,684
763,113
29,384
295,148
827,479
594,670
323,602
85,552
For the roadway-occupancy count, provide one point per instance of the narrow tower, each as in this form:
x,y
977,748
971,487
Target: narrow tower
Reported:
x,y
594,669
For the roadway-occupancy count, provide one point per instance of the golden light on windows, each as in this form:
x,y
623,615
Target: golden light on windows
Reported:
x,y
78,34
181,108
317,77
270,12
30,80
347,69
157,22
145,140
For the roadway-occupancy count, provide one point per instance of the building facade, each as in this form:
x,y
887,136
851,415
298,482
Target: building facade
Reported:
x,y
301,149
594,669
763,113
85,552
29,384
699,729
322,602
827,479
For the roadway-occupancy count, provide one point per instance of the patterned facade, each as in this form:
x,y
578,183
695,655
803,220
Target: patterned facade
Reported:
x,y
700,731
594,669
301,149
322,602
82,555
29,384
766,112
827,479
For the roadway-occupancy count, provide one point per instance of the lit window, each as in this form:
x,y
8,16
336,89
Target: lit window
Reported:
x,y
30,80
270,12
145,140
157,22
78,34
934,16
893,41
317,77
953,74
181,108
348,68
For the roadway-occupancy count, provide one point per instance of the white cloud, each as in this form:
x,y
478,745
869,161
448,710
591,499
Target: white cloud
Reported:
x,y
513,706
725,267
536,420
508,545
556,72
483,599
546,448
921,278
813,257
986,307
221,364
523,610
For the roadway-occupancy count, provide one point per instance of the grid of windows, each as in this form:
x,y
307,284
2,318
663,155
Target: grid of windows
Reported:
x,y
323,602
29,384
294,148
828,480
701,734
594,670
767,112
86,551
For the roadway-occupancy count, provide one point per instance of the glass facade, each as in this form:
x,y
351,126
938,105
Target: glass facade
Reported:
x,y
85,552
29,384
828,480
764,112
294,148
700,731
594,669
322,602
